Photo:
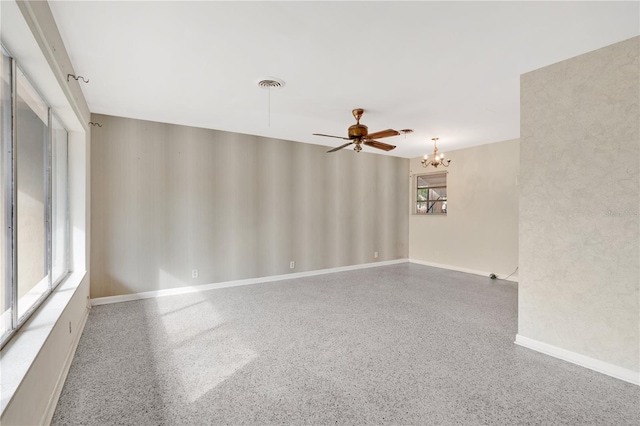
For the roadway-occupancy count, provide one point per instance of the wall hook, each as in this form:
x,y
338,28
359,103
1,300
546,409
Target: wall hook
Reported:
x,y
95,124
76,78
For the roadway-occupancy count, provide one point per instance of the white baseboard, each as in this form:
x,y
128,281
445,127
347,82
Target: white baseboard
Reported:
x,y
460,269
581,360
236,283
53,400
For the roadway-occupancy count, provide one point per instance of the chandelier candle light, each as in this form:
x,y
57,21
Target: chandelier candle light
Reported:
x,y
437,160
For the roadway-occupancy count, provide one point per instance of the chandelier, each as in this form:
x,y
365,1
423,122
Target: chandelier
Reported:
x,y
437,159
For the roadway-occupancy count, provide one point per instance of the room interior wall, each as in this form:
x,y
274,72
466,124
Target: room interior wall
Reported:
x,y
479,233
168,199
579,205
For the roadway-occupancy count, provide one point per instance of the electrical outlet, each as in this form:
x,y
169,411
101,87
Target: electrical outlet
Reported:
x,y
195,273
292,264
375,254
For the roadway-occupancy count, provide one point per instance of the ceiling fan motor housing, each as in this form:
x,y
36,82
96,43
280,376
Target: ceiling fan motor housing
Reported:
x,y
358,131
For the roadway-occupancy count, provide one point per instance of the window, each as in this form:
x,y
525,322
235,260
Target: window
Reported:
x,y
5,183
34,191
431,194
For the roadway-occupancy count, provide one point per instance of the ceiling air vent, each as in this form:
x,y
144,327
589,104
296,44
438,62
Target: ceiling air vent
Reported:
x,y
271,83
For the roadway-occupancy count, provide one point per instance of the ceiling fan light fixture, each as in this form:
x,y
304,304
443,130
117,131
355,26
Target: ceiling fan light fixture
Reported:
x,y
359,135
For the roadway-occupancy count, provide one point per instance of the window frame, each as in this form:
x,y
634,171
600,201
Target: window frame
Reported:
x,y
67,212
415,201
9,144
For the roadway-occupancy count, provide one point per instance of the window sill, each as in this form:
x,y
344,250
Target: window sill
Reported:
x,y
21,351
32,296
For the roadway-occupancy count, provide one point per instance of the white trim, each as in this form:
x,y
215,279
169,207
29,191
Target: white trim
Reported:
x,y
460,269
581,360
53,400
225,284
33,21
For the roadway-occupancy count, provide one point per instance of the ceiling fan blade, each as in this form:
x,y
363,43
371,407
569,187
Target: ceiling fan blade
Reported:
x,y
331,136
340,147
379,145
383,134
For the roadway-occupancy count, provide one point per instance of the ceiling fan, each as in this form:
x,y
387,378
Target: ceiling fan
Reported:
x,y
359,135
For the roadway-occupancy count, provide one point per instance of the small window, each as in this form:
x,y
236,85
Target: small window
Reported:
x,y
431,194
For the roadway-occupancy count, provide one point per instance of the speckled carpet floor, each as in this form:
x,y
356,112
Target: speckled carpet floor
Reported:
x,y
400,344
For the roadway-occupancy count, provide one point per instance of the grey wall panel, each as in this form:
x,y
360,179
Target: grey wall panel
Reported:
x,y
167,199
579,199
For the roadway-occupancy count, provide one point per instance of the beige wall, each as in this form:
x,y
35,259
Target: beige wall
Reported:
x,y
480,230
167,199
579,219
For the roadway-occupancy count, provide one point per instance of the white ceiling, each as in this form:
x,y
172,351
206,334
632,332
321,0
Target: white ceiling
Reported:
x,y
445,69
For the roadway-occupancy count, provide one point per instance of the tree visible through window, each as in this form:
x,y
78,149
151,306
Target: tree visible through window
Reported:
x,y
431,194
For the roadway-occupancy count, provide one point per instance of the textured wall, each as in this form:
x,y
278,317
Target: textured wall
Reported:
x,y
480,230
579,219
167,199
